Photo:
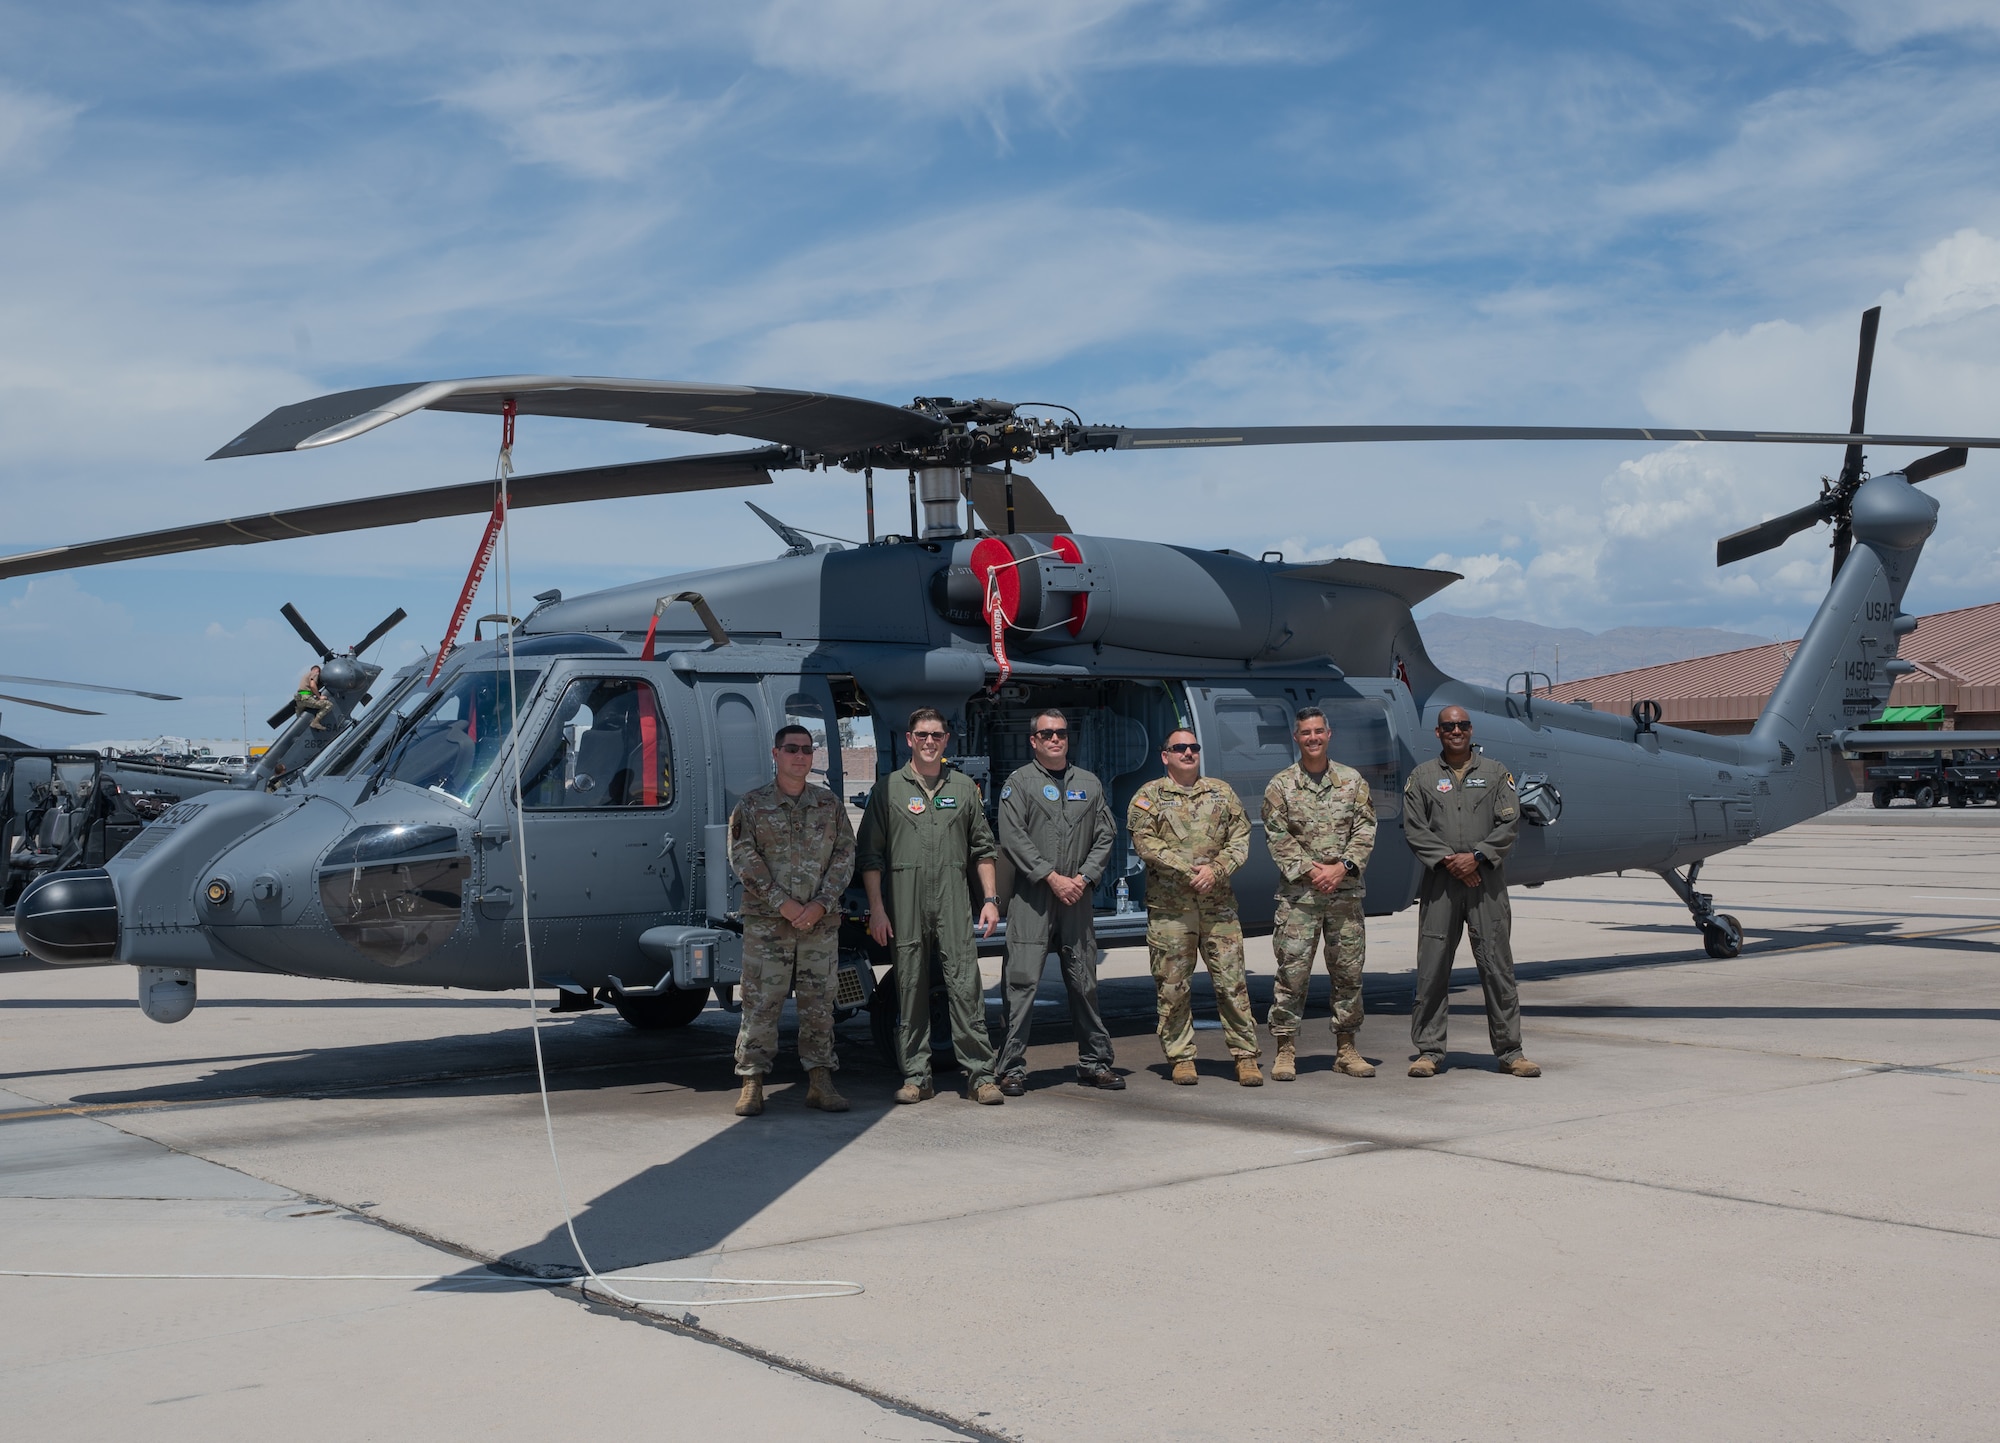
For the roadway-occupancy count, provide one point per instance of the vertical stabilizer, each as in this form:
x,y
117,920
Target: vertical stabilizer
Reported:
x,y
1842,671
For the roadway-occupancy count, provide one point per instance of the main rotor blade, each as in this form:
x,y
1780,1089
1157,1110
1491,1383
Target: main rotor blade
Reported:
x,y
87,686
547,488
1864,367
50,706
812,421
1765,535
1168,438
382,629
291,614
1935,464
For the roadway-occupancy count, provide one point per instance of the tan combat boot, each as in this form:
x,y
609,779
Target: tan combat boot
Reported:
x,y
915,1092
1520,1067
821,1094
1248,1073
750,1101
1350,1061
987,1094
1184,1072
1424,1066
1285,1066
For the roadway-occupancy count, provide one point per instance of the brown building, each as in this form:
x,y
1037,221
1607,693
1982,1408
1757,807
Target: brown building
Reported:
x,y
1957,656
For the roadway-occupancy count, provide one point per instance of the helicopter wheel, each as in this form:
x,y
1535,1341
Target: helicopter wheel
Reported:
x,y
1723,937
653,1012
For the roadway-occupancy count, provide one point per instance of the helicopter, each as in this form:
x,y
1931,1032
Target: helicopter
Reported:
x,y
569,780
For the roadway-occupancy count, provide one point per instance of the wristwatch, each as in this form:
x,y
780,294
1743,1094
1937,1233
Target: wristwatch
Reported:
x,y
991,902
1345,863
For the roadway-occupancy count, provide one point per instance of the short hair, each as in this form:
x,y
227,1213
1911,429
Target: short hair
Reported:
x,y
924,714
790,729
1176,732
1305,714
1052,713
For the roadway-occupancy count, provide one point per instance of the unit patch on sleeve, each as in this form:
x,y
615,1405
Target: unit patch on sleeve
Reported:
x,y
1144,804
1006,792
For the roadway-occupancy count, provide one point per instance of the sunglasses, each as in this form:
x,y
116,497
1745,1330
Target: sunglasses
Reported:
x,y
797,749
931,736
1464,726
1191,749
1051,734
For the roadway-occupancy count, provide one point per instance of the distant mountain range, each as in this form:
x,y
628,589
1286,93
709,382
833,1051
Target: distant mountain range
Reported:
x,y
1488,648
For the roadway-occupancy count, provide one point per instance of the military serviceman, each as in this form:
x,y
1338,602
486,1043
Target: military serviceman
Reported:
x,y
1319,821
925,824
1191,833
791,845
1460,814
1056,828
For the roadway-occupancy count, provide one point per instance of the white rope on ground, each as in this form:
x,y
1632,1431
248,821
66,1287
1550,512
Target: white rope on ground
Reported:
x,y
831,1287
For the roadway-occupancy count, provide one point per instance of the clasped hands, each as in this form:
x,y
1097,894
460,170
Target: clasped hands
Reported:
x,y
803,916
1464,866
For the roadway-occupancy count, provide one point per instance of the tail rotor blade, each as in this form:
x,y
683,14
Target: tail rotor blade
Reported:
x,y
1864,368
291,614
1935,464
1766,535
382,629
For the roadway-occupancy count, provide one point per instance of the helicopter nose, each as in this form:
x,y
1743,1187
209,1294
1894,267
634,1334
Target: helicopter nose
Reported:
x,y
66,918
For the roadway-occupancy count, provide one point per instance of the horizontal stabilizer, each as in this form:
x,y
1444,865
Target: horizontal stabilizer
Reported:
x,y
1855,741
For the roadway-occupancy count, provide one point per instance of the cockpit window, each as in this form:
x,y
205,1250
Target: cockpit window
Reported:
x,y
606,746
454,742
360,744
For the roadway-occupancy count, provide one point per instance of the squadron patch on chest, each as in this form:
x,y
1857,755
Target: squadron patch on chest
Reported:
x,y
916,806
1050,791
1444,784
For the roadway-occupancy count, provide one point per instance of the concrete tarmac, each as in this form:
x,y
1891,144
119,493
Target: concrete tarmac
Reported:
x,y
1749,1198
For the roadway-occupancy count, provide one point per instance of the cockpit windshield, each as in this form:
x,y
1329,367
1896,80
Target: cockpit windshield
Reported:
x,y
456,738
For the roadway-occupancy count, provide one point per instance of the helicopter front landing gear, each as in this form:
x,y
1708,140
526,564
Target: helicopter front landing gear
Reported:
x,y
1721,934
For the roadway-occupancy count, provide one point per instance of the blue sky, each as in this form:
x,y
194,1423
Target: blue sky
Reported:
x,y
1160,213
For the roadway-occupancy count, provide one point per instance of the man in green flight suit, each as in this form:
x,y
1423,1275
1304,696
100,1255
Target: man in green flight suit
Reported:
x,y
1319,821
1191,833
925,824
1056,828
1460,814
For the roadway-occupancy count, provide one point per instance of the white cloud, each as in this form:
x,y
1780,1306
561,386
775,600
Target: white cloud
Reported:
x,y
573,117
30,125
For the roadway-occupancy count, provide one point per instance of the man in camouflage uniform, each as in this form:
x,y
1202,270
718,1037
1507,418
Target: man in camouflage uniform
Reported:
x,y
1319,821
1460,814
1056,828
1191,833
793,849
924,829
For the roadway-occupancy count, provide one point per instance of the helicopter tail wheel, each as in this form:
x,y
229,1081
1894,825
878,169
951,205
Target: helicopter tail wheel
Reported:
x,y
654,1011
1723,937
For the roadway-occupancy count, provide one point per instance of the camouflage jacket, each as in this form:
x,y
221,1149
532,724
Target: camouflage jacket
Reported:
x,y
1444,814
1311,819
798,849
1174,828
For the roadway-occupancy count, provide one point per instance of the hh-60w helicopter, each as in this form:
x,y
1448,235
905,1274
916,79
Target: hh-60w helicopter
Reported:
x,y
641,713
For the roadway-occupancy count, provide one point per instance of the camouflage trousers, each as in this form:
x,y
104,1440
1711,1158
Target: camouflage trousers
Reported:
x,y
777,959
1177,939
1296,931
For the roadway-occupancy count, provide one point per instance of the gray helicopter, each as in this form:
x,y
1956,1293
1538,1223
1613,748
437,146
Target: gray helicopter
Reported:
x,y
635,717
